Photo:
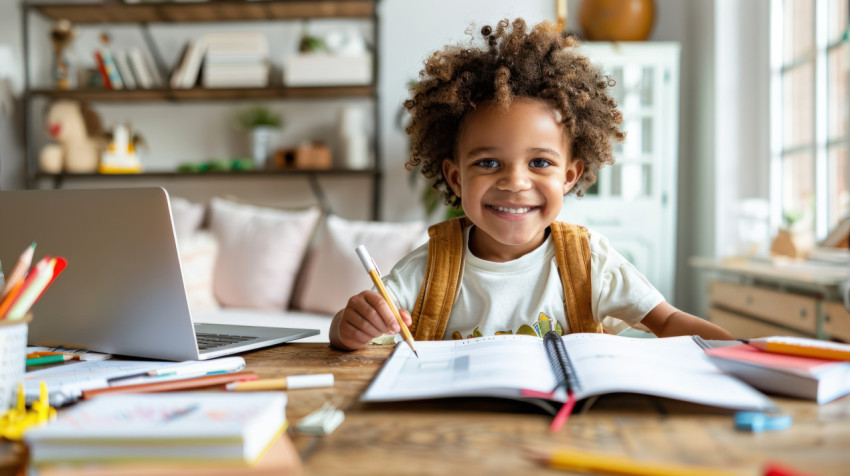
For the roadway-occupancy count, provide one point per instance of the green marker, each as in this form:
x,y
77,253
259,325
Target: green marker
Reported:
x,y
49,359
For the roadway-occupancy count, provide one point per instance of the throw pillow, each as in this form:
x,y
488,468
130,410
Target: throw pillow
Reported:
x,y
333,272
260,252
197,259
187,217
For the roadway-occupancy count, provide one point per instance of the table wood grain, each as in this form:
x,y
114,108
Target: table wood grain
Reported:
x,y
488,436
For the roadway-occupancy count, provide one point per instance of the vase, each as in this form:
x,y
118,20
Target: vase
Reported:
x,y
260,138
354,143
617,20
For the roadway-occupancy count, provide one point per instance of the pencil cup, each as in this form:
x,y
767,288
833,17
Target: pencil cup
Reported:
x,y
13,354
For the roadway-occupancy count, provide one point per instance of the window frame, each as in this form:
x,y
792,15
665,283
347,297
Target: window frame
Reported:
x,y
821,144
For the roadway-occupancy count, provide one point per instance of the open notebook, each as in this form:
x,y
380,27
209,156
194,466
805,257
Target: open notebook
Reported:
x,y
122,291
517,366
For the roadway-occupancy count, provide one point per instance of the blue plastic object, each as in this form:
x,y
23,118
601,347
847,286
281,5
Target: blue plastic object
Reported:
x,y
757,422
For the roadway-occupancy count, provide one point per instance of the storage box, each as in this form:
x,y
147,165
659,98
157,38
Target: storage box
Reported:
x,y
306,156
322,69
13,354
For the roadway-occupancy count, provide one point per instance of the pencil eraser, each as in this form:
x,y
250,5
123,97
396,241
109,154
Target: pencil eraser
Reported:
x,y
309,381
364,256
757,421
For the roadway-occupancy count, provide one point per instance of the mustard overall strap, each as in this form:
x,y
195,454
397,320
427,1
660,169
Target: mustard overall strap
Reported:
x,y
572,253
443,274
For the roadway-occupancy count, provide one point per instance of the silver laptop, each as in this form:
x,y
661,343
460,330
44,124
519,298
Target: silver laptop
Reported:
x,y
122,291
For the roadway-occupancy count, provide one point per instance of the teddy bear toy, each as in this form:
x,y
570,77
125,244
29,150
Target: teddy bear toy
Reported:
x,y
79,135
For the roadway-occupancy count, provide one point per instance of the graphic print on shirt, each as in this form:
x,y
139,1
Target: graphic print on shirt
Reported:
x,y
543,325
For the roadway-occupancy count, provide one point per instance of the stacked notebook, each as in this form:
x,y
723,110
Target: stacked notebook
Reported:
x,y
221,429
810,378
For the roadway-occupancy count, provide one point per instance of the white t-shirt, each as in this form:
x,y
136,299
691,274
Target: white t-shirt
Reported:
x,y
506,297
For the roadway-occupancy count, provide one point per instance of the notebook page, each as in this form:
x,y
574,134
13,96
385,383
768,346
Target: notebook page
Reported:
x,y
497,366
673,367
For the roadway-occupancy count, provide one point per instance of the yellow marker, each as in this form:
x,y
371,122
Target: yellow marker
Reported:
x,y
372,268
598,463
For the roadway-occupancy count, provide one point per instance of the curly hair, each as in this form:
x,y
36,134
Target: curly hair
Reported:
x,y
543,64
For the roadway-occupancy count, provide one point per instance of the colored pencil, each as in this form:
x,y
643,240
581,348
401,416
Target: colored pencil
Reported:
x,y
599,463
285,383
34,285
10,298
372,269
19,271
49,359
169,385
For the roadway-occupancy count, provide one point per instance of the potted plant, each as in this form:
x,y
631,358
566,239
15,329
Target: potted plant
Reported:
x,y
261,121
794,239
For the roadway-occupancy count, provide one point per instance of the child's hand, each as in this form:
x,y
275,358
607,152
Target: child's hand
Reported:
x,y
365,317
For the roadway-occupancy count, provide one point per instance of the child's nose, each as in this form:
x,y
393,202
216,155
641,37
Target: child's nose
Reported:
x,y
514,179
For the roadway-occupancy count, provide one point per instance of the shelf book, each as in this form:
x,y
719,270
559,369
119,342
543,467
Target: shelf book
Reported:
x,y
792,375
186,428
517,367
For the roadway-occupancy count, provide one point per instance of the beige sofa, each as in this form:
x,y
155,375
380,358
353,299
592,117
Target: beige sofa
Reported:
x,y
257,265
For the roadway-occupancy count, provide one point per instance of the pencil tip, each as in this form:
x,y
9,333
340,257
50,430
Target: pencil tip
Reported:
x,y
416,354
32,245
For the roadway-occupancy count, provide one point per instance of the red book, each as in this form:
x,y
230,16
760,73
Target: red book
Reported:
x,y
101,67
797,376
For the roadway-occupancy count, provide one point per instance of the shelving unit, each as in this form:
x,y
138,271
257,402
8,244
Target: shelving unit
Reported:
x,y
213,11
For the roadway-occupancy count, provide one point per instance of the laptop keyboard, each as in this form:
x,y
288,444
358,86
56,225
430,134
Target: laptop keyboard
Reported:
x,y
209,341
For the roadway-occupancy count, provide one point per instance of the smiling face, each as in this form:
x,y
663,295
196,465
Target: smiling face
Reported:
x,y
511,170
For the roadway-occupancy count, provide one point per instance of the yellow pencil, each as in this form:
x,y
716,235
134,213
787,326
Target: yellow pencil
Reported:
x,y
285,383
370,266
599,463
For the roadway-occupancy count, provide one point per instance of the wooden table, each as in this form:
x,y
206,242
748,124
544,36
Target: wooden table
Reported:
x,y
481,436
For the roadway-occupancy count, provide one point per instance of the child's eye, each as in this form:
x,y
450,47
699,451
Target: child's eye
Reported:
x,y
487,163
539,163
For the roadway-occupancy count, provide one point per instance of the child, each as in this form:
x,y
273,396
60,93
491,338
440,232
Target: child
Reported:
x,y
507,130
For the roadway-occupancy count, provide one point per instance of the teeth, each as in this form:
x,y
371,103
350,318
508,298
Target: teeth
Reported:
x,y
512,210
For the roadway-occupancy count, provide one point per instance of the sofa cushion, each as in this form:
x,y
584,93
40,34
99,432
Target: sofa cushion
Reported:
x,y
333,272
198,254
187,217
260,252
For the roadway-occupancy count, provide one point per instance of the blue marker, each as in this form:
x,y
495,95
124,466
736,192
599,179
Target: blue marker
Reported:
x,y
757,422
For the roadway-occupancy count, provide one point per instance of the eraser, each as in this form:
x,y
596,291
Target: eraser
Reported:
x,y
757,421
309,381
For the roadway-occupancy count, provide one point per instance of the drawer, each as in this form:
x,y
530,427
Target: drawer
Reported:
x,y
836,321
743,327
787,309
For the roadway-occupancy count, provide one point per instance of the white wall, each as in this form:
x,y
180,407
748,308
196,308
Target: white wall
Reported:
x,y
409,32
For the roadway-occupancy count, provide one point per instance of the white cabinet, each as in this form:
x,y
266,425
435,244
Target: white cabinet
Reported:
x,y
634,201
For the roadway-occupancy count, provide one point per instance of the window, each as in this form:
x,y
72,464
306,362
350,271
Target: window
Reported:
x,y
810,128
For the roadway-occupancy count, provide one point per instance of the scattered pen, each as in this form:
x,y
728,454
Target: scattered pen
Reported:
x,y
372,269
285,383
49,359
226,364
171,385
